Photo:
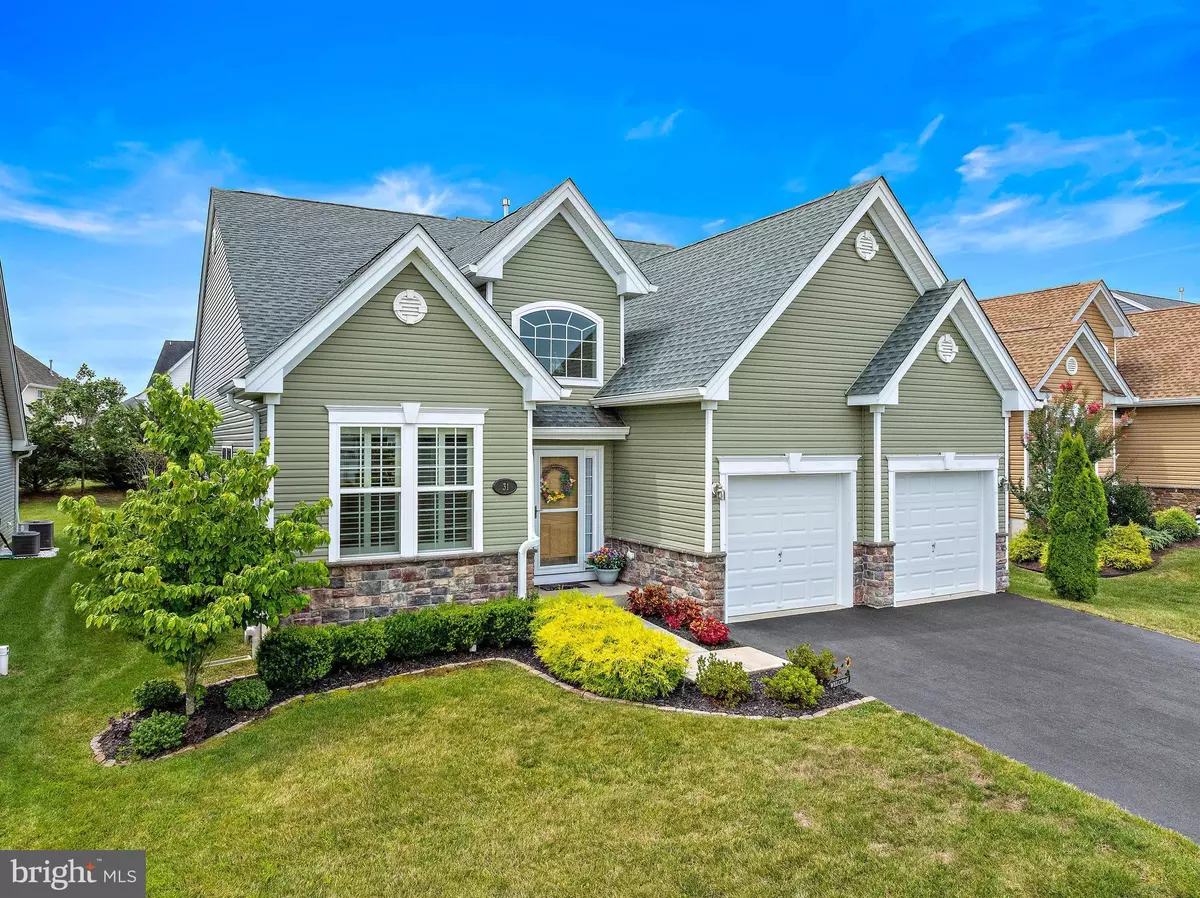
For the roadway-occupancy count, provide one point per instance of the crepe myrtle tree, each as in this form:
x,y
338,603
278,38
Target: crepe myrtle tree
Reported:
x,y
191,556
1069,411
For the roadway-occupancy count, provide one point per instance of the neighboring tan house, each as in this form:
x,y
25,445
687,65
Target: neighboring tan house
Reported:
x,y
36,379
175,361
798,414
14,439
1085,333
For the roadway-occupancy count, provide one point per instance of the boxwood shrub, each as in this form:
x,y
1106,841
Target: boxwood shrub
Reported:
x,y
590,642
161,731
1178,523
158,695
359,645
794,685
1125,549
505,622
295,656
247,695
723,681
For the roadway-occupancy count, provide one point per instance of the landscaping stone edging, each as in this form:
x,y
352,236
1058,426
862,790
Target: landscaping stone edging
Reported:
x,y
99,757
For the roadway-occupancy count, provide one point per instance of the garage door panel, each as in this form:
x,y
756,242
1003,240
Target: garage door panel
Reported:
x,y
937,531
783,550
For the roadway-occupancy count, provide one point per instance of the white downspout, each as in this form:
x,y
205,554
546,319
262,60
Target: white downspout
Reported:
x,y
708,407
877,469
532,541
249,410
271,400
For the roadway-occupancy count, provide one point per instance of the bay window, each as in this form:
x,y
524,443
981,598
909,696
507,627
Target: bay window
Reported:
x,y
405,481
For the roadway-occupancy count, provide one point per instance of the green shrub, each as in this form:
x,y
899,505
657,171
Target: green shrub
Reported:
x,y
1026,546
1178,523
359,645
1128,503
590,642
505,622
458,626
723,681
295,656
821,666
247,695
159,732
1158,539
198,695
1078,521
158,695
408,635
794,685
1125,549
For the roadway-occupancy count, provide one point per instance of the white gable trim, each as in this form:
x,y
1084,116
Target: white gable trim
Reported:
x,y
570,203
985,345
888,210
1093,350
416,248
1110,309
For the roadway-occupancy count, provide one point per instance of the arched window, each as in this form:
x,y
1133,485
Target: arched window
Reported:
x,y
566,340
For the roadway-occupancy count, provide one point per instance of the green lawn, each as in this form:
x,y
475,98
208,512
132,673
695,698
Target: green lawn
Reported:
x,y
489,781
1165,598
44,506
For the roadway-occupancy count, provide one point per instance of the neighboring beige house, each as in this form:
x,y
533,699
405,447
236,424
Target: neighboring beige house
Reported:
x,y
1130,351
35,378
175,361
798,414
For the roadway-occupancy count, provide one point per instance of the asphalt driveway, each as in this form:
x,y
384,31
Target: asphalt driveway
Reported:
x,y
1111,708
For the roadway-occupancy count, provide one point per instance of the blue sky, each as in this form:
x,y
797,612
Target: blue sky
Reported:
x,y
1033,147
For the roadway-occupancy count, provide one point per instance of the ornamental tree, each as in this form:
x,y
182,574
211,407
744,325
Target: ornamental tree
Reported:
x,y
1069,411
192,556
1078,521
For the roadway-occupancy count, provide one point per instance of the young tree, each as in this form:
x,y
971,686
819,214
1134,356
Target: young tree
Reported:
x,y
191,556
50,464
1069,411
1078,521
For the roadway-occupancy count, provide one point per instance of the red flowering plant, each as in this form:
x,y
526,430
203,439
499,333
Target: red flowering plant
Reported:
x,y
709,631
1068,410
680,613
647,601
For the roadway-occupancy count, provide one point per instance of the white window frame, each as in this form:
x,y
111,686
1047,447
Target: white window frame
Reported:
x,y
552,305
408,417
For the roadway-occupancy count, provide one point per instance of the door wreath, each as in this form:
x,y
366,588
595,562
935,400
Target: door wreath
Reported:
x,y
552,495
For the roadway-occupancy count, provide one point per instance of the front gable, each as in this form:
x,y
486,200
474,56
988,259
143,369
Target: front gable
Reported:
x,y
1094,368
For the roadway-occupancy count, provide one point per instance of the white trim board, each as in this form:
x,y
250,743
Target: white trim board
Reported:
x,y
580,433
1110,308
416,248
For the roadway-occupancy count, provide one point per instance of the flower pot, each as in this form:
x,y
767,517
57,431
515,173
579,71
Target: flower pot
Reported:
x,y
607,576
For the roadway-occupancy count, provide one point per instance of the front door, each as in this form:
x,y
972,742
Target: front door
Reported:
x,y
567,512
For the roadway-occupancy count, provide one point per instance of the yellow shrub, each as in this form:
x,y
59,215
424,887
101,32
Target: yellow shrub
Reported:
x,y
1125,548
590,642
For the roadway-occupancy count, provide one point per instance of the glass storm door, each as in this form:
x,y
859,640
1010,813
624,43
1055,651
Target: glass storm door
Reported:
x,y
566,509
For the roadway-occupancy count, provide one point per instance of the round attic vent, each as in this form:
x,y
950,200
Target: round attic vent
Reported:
x,y
1072,366
867,245
947,348
409,306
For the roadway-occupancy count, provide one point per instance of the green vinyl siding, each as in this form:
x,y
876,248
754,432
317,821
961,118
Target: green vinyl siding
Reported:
x,y
943,408
789,394
659,477
374,359
555,265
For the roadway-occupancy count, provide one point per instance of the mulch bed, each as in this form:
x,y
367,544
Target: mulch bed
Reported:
x,y
214,718
1155,556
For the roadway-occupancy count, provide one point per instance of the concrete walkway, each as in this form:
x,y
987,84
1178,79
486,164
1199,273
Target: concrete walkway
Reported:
x,y
751,658
1111,708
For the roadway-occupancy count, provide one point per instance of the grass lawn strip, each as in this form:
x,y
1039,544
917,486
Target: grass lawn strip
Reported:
x,y
1165,598
486,781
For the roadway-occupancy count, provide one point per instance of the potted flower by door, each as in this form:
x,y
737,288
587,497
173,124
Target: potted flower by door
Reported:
x,y
607,563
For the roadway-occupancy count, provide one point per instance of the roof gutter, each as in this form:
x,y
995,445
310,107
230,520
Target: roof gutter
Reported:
x,y
249,410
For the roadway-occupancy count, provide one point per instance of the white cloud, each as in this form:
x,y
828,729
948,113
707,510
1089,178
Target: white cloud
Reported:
x,y
1038,190
135,195
659,126
902,158
419,189
712,227
649,227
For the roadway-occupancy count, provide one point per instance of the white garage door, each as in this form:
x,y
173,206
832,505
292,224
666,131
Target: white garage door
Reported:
x,y
783,548
938,532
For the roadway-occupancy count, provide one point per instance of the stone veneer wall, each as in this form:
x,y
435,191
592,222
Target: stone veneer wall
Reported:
x,y
378,589
875,574
1185,497
685,574
1002,581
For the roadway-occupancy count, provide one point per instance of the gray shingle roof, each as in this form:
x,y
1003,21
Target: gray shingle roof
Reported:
x,y
31,371
474,249
1153,303
641,251
561,415
172,351
287,257
712,294
901,340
